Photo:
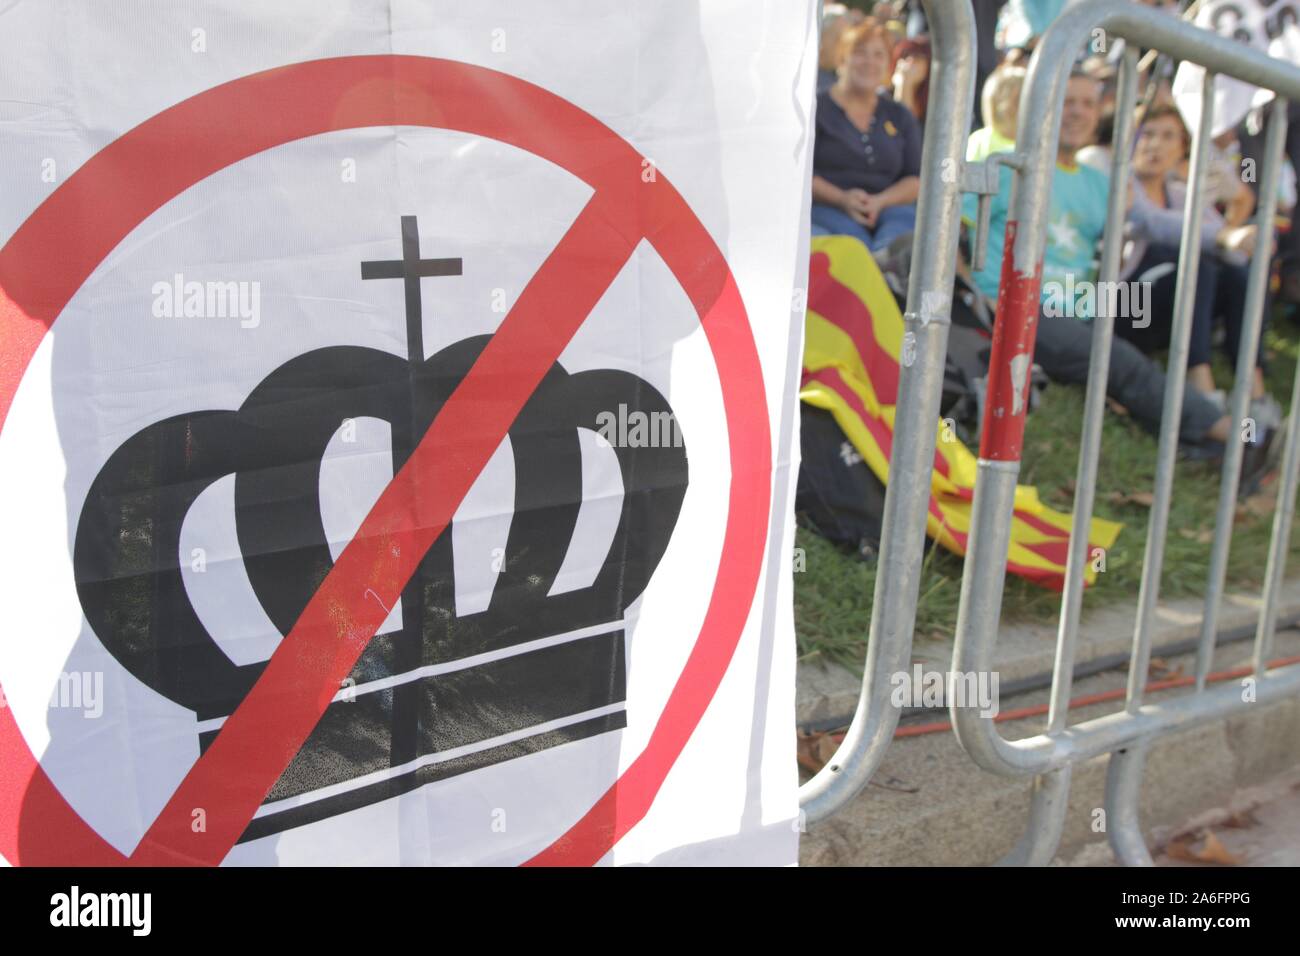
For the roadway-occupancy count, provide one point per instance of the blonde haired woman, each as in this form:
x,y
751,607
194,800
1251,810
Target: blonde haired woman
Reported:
x,y
1000,108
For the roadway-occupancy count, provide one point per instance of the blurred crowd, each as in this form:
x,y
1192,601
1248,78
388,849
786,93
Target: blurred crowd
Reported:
x,y
873,93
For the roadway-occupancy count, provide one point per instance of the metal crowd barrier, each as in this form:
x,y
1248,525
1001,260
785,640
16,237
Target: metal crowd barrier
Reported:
x,y
907,497
1126,735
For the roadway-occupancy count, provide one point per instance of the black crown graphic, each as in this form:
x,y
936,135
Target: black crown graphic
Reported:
x,y
447,693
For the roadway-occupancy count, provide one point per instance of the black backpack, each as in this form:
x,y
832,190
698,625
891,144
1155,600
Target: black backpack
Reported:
x,y
837,496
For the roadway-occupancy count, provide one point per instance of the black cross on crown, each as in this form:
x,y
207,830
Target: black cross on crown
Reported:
x,y
411,268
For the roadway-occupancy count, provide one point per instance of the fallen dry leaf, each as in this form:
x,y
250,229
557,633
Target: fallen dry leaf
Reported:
x,y
1143,498
1259,505
1241,820
815,750
806,752
1161,669
893,783
1213,851
1200,536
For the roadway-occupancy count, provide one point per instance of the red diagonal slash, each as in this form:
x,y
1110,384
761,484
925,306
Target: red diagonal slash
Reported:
x,y
51,255
268,729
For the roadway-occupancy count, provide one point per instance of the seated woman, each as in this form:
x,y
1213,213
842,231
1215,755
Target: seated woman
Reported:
x,y
1156,222
911,75
867,154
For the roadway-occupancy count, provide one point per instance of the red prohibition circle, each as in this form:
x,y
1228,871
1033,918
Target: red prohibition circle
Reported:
x,y
50,256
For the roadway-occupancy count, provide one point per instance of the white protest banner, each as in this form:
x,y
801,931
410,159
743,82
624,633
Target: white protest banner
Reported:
x,y
1271,27
398,430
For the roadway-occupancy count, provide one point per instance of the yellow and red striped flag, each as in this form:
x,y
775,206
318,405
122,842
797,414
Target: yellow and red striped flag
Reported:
x,y
853,340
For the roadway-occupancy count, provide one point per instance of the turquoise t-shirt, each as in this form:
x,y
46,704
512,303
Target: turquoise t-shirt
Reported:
x,y
1074,227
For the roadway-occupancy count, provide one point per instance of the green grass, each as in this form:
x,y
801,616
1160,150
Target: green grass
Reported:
x,y
833,595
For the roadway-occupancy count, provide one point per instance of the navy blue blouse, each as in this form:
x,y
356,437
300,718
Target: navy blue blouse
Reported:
x,y
851,159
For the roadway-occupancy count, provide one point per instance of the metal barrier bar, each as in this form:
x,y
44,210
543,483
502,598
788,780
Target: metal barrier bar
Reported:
x,y
1123,787
1248,347
907,496
1281,542
1051,791
1127,734
1102,735
1189,262
1103,334
1048,803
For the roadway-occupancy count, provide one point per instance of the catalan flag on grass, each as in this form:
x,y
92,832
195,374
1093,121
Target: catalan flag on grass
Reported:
x,y
852,344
